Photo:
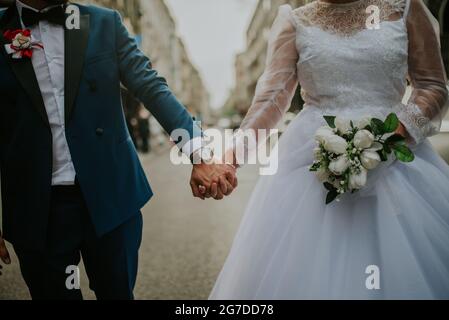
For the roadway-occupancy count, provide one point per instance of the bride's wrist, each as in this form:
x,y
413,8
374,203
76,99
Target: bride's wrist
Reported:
x,y
230,158
402,130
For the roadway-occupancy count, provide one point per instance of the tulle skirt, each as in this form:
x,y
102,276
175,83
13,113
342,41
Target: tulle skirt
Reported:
x,y
390,241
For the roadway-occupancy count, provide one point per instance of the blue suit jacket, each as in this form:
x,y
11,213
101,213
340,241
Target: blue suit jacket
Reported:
x,y
99,56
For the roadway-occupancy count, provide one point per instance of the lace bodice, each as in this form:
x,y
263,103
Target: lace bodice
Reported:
x,y
354,59
349,18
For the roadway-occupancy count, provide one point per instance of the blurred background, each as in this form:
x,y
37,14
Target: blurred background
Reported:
x,y
212,53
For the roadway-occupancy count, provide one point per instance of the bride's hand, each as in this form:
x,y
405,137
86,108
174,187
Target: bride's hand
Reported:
x,y
230,158
403,131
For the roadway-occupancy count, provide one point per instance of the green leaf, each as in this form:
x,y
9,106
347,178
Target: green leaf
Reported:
x,y
330,121
394,139
383,155
403,153
315,167
331,196
387,148
391,123
377,126
329,186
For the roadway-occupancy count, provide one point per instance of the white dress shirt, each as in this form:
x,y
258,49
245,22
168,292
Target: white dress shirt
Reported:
x,y
48,65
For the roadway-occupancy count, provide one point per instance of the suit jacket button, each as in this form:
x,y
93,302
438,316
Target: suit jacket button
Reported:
x,y
99,131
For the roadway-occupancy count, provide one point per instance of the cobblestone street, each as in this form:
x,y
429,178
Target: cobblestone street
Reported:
x,y
185,240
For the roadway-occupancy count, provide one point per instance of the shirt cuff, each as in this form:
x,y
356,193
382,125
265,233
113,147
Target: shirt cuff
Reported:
x,y
192,146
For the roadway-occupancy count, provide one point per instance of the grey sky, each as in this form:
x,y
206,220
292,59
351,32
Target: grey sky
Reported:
x,y
214,31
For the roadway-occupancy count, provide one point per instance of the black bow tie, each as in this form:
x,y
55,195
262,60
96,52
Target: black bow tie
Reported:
x,y
55,15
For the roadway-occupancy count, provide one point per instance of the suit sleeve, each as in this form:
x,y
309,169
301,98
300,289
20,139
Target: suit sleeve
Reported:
x,y
139,77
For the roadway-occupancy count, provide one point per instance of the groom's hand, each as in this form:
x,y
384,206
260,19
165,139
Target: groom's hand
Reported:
x,y
213,180
4,254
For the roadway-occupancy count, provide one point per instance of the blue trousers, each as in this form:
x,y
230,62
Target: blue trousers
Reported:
x,y
110,261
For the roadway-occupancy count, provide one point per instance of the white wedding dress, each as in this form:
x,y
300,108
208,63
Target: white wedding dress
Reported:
x,y
290,245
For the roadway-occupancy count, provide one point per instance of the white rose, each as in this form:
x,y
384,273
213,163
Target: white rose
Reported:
x,y
340,165
343,125
335,144
370,159
16,43
363,139
322,133
363,122
358,181
21,41
322,174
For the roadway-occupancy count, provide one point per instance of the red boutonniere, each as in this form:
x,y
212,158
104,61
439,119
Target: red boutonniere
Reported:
x,y
22,43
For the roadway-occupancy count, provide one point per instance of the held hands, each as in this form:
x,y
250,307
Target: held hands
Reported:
x,y
4,254
213,180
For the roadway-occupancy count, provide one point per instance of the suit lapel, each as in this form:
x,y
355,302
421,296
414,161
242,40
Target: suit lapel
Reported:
x,y
75,50
22,68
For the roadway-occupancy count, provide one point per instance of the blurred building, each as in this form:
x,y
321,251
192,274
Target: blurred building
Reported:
x,y
155,29
170,57
440,9
250,64
129,9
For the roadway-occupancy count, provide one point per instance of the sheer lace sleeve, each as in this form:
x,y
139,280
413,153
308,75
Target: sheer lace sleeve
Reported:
x,y
276,87
423,114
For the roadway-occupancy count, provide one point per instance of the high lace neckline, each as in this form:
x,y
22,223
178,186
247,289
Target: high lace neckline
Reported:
x,y
339,4
348,19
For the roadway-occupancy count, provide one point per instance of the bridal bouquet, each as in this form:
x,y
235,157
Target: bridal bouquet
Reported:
x,y
347,150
